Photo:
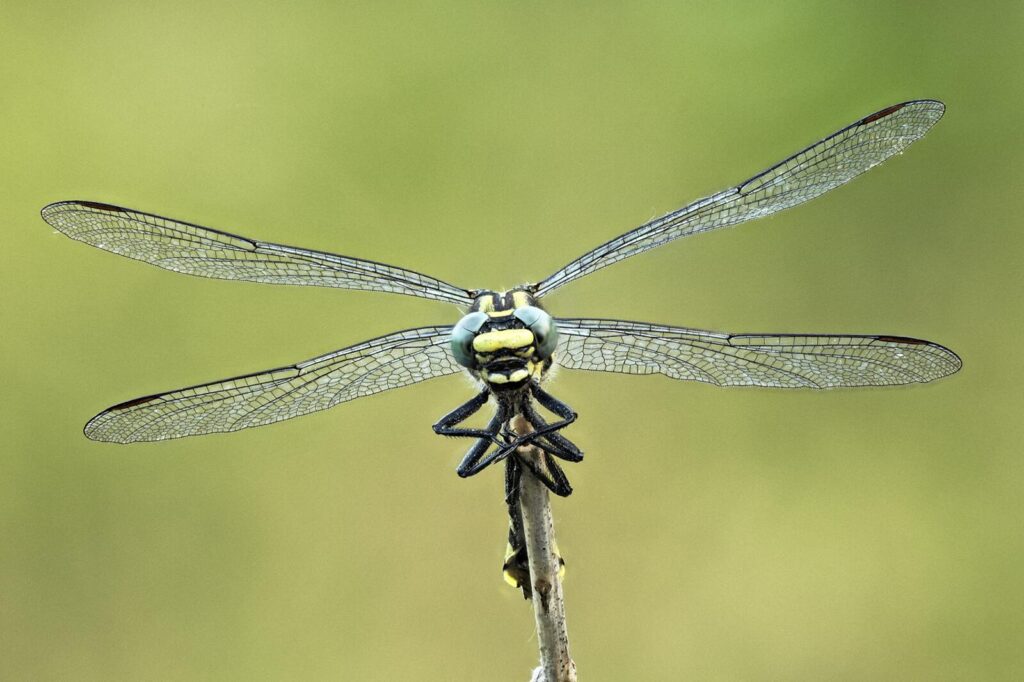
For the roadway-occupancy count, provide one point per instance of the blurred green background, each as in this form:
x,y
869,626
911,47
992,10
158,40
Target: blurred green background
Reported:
x,y
714,534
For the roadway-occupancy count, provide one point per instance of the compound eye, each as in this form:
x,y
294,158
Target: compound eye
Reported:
x,y
462,338
545,333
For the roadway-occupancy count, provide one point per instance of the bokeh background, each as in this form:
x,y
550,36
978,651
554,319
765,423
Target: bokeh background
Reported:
x,y
714,534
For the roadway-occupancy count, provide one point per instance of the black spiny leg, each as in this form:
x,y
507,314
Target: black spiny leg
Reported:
x,y
546,440
516,567
543,437
548,472
558,407
446,425
474,461
556,444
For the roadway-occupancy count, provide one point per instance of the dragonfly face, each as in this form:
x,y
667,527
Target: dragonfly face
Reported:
x,y
506,340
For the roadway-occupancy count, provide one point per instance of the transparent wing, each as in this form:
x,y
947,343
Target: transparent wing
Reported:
x,y
370,367
837,159
774,360
195,250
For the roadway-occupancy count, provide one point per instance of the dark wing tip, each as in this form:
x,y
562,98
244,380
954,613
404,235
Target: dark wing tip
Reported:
x,y
888,111
99,206
903,339
94,428
131,403
955,360
882,114
50,209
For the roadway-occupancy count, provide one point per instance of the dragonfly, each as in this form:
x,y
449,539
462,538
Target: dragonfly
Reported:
x,y
506,340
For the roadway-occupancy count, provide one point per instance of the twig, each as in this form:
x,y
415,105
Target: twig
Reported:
x,y
548,602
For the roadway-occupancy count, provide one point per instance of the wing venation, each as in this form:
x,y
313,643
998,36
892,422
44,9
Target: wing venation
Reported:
x,y
771,360
241,402
195,250
809,173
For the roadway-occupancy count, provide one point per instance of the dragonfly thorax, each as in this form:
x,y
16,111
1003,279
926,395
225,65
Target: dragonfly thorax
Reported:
x,y
505,339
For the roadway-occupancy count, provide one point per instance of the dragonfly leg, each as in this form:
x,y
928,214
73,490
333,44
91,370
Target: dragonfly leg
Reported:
x,y
548,472
552,403
447,425
551,442
541,428
541,465
474,461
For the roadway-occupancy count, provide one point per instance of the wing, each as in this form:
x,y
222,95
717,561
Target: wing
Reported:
x,y
195,250
825,165
370,367
773,360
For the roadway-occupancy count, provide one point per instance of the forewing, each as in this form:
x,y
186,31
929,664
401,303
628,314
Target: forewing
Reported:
x,y
833,161
387,362
773,360
195,250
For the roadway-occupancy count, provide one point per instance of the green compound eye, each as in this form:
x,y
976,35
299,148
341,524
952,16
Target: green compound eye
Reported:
x,y
462,338
545,333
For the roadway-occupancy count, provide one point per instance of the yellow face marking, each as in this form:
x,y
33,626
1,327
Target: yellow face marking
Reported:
x,y
487,304
514,377
507,339
520,299
518,375
526,352
500,313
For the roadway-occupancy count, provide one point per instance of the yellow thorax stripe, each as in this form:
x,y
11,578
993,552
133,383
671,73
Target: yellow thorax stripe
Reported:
x,y
506,339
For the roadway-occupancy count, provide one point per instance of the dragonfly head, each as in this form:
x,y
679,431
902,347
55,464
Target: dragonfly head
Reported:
x,y
505,339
